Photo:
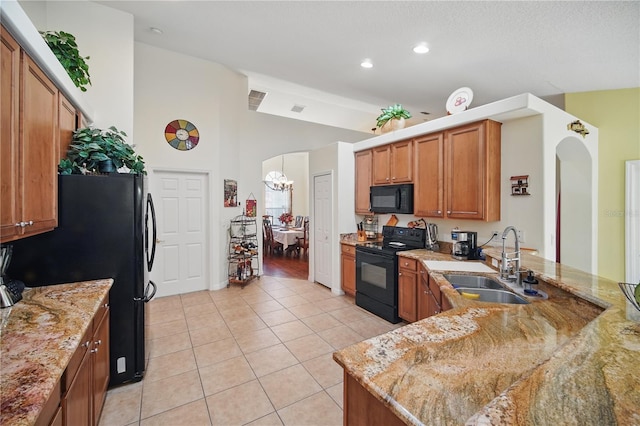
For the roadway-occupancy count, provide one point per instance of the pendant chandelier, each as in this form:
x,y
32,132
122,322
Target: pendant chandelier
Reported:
x,y
277,181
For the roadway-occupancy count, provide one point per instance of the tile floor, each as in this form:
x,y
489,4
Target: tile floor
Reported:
x,y
261,355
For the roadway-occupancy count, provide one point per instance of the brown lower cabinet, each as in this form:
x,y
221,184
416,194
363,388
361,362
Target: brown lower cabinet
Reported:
x,y
407,289
348,269
419,295
79,398
362,408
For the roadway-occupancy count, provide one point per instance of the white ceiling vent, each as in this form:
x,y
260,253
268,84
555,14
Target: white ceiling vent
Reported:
x,y
255,99
298,108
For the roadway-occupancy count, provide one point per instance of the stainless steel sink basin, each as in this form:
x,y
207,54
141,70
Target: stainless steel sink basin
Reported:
x,y
494,296
473,281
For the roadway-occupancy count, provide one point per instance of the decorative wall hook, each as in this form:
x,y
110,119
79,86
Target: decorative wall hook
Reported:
x,y
578,127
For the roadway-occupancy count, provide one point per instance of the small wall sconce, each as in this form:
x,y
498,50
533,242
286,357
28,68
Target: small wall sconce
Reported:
x,y
578,127
520,185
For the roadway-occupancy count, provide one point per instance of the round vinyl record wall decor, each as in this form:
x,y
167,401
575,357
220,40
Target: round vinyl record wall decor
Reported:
x,y
182,135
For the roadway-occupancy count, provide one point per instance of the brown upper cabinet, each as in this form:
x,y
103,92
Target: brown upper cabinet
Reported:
x,y
68,123
393,163
29,145
458,173
363,162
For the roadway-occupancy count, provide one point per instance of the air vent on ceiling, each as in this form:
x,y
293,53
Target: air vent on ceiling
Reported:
x,y
255,99
298,108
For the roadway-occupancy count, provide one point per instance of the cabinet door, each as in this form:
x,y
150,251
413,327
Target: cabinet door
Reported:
x,y
9,113
472,170
402,162
348,274
363,181
429,176
100,353
67,123
39,149
76,404
423,298
381,165
407,301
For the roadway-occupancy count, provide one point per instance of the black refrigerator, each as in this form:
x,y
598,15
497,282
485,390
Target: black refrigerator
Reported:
x,y
106,229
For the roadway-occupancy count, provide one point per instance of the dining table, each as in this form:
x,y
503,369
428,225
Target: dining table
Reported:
x,y
287,236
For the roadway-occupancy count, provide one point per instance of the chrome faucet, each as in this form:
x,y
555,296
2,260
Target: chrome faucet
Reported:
x,y
507,270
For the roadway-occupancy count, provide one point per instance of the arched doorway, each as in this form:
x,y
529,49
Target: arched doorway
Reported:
x,y
575,226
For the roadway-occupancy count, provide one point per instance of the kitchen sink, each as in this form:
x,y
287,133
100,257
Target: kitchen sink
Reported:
x,y
491,295
473,281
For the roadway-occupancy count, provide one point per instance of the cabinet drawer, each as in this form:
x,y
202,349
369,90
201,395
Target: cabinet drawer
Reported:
x,y
348,249
435,290
406,263
101,312
76,359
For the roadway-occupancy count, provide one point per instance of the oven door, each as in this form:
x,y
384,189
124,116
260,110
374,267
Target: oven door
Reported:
x,y
376,276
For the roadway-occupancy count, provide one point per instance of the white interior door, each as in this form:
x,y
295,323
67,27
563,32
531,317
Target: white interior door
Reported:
x,y
322,208
182,202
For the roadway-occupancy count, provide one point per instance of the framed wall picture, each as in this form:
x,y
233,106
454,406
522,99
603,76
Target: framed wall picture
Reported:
x,y
251,207
230,193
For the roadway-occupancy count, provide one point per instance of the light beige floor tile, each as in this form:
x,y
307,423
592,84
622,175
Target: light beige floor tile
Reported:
x,y
349,314
253,340
170,365
341,336
264,307
192,414
196,298
168,344
208,320
268,420
200,310
202,336
225,293
370,327
171,392
287,386
282,292
318,409
248,324
239,405
316,295
225,374
238,313
325,370
156,331
336,393
308,347
255,297
305,310
230,303
277,317
289,301
122,405
166,302
332,304
271,285
217,351
321,322
270,359
167,315
291,330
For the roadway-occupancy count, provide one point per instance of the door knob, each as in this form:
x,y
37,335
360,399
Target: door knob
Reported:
x,y
159,241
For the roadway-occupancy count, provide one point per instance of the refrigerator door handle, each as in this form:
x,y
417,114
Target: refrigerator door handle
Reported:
x,y
150,257
147,297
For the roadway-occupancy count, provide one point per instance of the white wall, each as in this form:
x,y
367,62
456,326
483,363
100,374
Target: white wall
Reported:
x,y
296,168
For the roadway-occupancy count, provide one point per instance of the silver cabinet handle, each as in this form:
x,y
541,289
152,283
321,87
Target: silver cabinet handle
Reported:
x,y
93,351
98,343
24,224
448,211
439,211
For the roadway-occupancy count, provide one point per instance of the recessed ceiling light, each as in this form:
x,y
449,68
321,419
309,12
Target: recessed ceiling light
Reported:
x,y
421,48
155,30
366,63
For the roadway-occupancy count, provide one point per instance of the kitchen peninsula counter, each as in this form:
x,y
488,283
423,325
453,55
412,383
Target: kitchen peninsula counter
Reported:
x,y
38,336
572,359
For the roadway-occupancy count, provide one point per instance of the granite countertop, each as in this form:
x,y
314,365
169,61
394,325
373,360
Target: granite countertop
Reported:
x,y
352,239
38,336
567,360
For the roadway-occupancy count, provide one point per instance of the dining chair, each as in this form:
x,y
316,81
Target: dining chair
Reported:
x,y
270,246
298,223
303,243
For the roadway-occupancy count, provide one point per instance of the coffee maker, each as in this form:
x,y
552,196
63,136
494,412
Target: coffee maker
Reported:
x,y
465,245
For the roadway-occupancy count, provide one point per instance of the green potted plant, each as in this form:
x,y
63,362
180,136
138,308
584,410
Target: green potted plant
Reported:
x,y
394,112
64,46
103,151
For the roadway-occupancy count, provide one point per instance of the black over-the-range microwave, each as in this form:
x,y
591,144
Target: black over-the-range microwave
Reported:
x,y
392,198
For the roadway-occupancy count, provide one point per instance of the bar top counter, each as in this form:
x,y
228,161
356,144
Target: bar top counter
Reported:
x,y
38,336
571,359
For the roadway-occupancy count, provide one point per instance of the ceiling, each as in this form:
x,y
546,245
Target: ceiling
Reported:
x,y
308,53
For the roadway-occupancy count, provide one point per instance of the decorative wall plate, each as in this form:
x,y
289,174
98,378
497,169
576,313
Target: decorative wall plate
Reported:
x,y
459,100
182,135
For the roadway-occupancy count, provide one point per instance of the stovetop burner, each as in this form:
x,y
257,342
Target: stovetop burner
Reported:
x,y
396,239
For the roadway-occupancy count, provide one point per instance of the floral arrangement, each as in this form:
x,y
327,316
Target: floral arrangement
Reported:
x,y
286,218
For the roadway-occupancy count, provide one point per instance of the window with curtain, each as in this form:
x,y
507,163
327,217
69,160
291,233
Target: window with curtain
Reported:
x,y
276,201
